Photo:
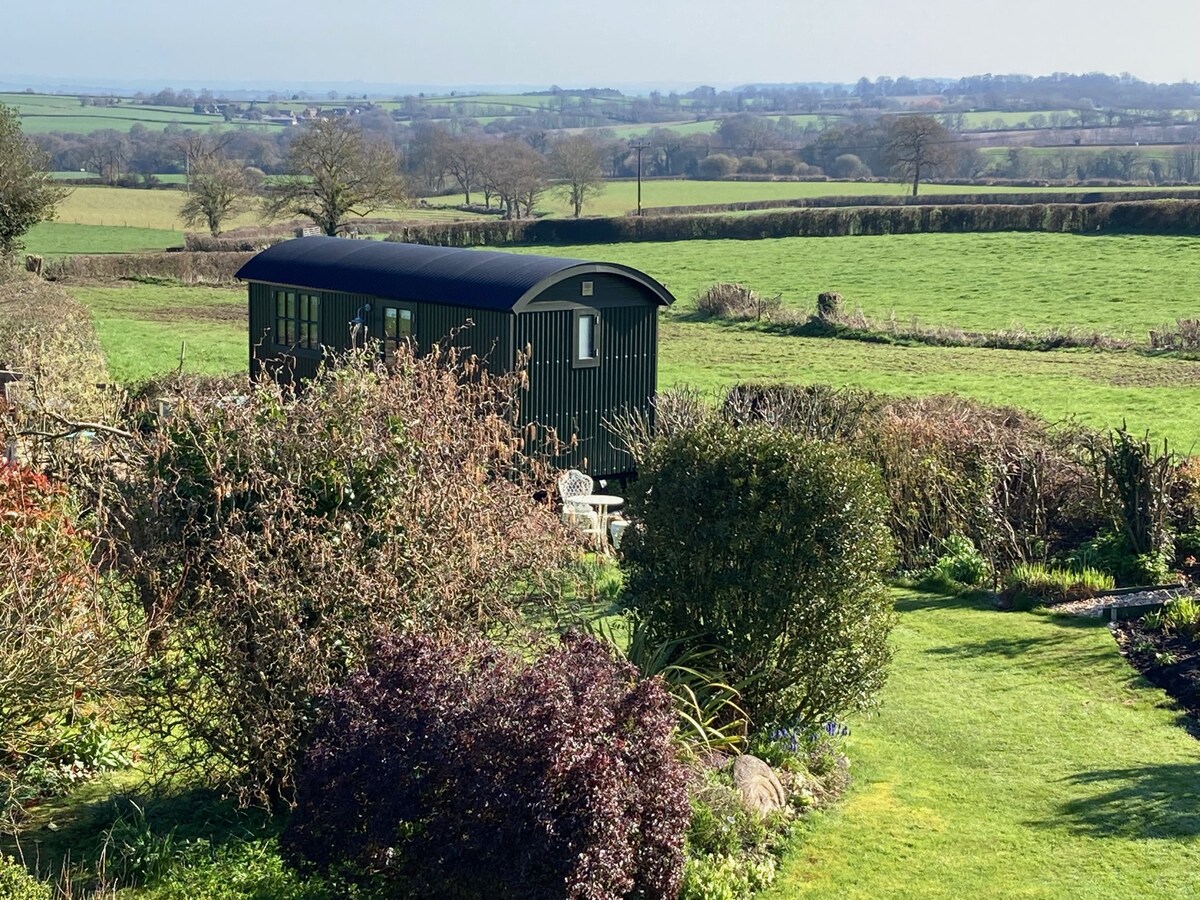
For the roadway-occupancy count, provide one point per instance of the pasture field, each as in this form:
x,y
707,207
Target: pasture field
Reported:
x,y
1013,755
620,197
1113,284
984,119
141,326
102,205
41,113
66,239
1093,388
149,220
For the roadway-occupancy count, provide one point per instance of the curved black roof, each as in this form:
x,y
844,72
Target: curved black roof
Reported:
x,y
479,279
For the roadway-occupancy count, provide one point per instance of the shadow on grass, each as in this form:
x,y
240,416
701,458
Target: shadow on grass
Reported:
x,y
1148,802
919,601
76,833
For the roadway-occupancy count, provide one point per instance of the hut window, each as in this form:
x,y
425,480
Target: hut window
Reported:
x,y
297,320
587,327
397,327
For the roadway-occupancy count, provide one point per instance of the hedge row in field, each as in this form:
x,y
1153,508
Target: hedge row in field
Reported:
x,y
1142,217
1003,199
187,267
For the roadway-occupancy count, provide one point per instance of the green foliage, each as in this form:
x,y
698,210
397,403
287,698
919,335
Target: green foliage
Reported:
x,y
1134,479
961,563
27,193
710,719
1110,552
768,548
731,853
56,642
1178,616
17,884
134,852
1029,584
270,539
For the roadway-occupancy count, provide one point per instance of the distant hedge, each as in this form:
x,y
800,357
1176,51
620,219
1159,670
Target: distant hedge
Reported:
x,y
1138,217
1000,199
184,266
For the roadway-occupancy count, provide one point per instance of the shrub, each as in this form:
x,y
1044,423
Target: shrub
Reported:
x,y
961,563
1034,583
493,777
849,166
1134,479
770,548
56,643
48,337
17,884
272,533
1181,616
735,301
731,853
718,165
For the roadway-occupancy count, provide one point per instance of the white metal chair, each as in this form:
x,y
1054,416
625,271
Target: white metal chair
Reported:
x,y
574,483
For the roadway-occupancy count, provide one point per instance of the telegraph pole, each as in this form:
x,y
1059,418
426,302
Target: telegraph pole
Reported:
x,y
639,148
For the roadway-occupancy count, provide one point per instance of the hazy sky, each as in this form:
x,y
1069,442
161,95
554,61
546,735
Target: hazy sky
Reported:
x,y
603,42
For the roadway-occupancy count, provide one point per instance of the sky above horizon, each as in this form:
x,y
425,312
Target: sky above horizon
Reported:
x,y
591,44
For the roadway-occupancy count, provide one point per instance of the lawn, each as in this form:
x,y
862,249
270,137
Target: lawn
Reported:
x,y
1013,755
1113,284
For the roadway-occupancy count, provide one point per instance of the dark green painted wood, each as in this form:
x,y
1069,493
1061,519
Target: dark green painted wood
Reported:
x,y
578,403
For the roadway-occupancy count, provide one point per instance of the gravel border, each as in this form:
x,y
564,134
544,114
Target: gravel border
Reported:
x,y
1098,606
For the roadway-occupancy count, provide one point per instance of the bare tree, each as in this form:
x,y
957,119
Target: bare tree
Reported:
x,y
27,195
516,173
577,164
221,188
464,159
336,173
916,146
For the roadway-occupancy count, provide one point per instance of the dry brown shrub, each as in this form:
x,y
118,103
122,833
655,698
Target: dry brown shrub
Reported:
x,y
272,534
727,300
1000,476
49,344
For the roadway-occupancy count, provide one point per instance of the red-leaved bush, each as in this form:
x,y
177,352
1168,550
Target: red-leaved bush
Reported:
x,y
460,770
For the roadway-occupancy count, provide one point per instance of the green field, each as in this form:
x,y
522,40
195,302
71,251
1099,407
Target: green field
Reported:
x,y
620,197
59,239
1116,285
1113,284
41,113
142,326
984,119
1097,389
1013,755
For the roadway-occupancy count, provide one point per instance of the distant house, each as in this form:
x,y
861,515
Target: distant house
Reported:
x,y
588,330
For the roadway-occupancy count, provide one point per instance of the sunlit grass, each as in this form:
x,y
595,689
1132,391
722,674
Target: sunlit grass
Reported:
x,y
1013,755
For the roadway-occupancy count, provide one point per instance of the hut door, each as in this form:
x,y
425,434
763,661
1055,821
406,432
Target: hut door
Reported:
x,y
397,327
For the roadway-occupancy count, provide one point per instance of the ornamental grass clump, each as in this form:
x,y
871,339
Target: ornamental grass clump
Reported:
x,y
449,768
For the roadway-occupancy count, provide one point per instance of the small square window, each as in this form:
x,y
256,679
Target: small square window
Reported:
x,y
587,289
586,351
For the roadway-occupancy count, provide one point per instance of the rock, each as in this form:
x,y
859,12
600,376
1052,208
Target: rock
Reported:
x,y
758,785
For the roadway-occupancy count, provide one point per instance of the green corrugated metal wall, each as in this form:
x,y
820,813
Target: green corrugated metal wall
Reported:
x,y
574,401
